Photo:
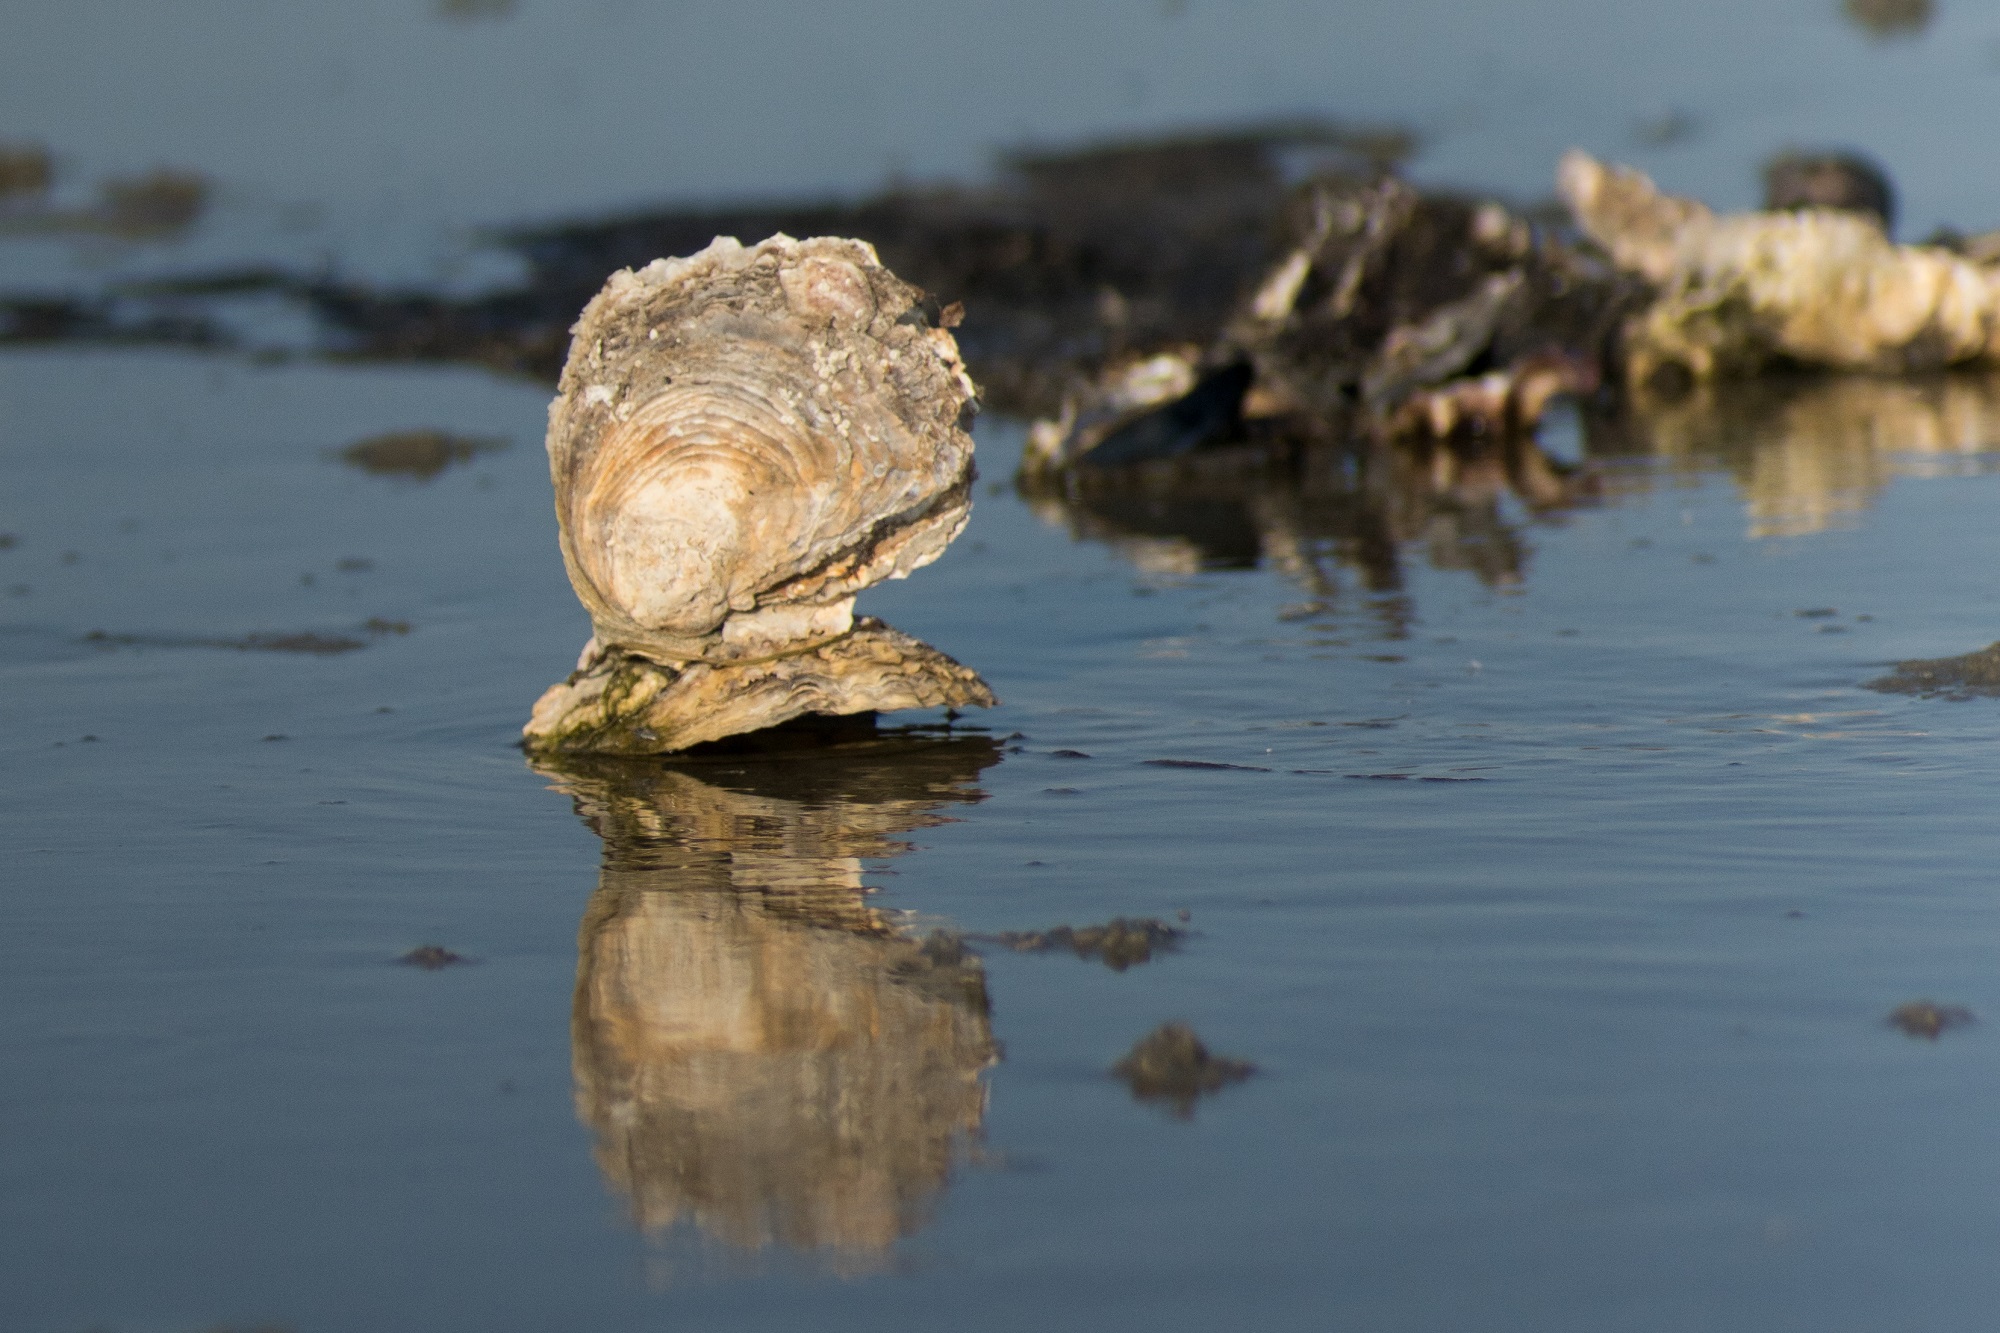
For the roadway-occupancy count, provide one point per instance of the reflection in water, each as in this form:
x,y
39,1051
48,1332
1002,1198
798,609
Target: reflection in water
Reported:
x,y
1309,509
1808,452
757,1050
1813,452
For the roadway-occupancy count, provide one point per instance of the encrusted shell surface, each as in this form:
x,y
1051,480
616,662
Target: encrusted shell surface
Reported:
x,y
1740,292
745,438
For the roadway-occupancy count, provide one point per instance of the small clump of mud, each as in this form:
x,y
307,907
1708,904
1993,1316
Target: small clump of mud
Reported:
x,y
1119,943
26,170
1928,1019
310,642
159,203
1883,19
420,454
1171,1065
1971,676
431,957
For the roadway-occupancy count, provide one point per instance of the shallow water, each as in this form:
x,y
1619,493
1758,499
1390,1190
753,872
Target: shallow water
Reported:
x,y
1554,866
1594,1040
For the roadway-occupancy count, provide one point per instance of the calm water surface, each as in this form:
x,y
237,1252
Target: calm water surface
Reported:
x,y
1585,1033
1595,1040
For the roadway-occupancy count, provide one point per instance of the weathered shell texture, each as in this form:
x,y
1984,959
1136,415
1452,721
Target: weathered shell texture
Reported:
x,y
745,438
621,703
1822,287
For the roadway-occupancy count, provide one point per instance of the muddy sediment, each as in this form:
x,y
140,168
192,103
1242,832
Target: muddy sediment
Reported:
x,y
417,454
319,643
1255,346
1068,264
1968,676
1266,292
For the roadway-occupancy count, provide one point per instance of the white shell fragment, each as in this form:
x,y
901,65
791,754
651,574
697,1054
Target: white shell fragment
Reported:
x,y
1818,287
742,441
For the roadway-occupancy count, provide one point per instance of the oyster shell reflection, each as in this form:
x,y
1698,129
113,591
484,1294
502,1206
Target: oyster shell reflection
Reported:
x,y
1810,453
1807,453
759,1052
1311,509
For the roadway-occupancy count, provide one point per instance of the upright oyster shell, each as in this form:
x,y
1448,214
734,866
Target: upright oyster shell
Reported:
x,y
743,440
753,429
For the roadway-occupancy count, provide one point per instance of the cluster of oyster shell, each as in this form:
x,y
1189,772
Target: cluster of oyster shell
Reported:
x,y
742,441
1735,294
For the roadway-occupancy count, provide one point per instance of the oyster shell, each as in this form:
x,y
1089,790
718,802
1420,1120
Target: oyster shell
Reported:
x,y
742,441
1738,293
